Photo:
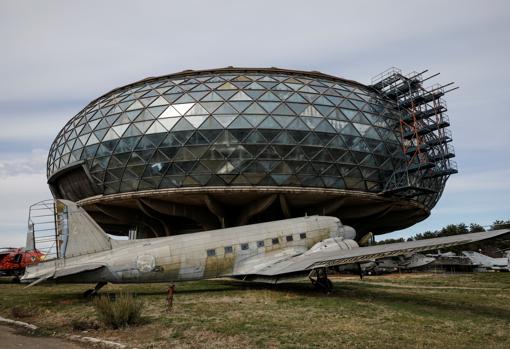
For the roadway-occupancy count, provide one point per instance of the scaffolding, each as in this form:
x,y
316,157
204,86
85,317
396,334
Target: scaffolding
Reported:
x,y
47,228
423,129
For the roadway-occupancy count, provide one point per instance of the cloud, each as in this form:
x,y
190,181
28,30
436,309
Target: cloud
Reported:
x,y
58,55
18,193
33,164
486,181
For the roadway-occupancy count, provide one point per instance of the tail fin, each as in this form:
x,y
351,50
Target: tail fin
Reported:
x,y
77,232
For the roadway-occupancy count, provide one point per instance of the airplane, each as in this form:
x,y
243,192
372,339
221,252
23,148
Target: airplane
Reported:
x,y
405,262
389,264
14,260
486,262
272,252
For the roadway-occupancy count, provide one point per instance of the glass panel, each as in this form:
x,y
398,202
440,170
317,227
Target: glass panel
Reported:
x,y
225,108
168,123
311,121
135,105
240,106
182,136
210,106
298,108
325,127
127,144
269,134
225,120
254,86
240,96
255,137
282,87
197,120
240,122
185,98
143,125
312,139
269,123
254,119
156,128
183,108
197,138
283,110
212,97
183,125
210,123
298,124
269,97
226,94
159,101
269,106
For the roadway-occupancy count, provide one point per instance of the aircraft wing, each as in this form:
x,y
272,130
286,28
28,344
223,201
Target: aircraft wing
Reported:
x,y
321,259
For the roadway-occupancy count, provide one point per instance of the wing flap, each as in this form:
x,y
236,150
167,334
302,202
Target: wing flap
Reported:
x,y
322,259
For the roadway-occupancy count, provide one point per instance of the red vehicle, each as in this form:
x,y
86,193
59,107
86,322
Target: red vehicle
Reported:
x,y
13,261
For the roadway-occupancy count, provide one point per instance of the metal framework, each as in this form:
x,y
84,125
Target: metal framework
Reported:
x,y
423,128
47,228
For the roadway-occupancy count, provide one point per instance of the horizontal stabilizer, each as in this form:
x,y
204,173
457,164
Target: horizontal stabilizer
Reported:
x,y
41,279
77,269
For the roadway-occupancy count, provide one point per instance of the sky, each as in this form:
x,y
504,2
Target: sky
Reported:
x,y
57,56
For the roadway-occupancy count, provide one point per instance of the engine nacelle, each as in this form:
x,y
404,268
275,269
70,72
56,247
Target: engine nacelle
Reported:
x,y
333,244
347,232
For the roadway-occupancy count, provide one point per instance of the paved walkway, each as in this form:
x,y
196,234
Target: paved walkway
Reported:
x,y
10,339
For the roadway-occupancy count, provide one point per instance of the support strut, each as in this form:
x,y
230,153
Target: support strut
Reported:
x,y
93,291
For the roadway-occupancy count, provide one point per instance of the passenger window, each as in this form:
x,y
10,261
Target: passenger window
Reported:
x,y
302,236
244,246
260,243
289,238
276,241
211,253
228,249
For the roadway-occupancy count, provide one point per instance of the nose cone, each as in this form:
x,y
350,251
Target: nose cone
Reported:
x,y
349,232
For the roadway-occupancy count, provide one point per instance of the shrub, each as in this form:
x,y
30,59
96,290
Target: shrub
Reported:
x,y
122,311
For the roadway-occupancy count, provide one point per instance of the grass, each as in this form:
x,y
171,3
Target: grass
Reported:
x,y
394,311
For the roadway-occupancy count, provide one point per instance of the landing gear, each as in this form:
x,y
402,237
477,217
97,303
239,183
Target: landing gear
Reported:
x,y
321,281
93,291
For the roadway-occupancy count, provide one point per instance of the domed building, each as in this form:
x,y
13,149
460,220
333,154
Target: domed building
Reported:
x,y
200,150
